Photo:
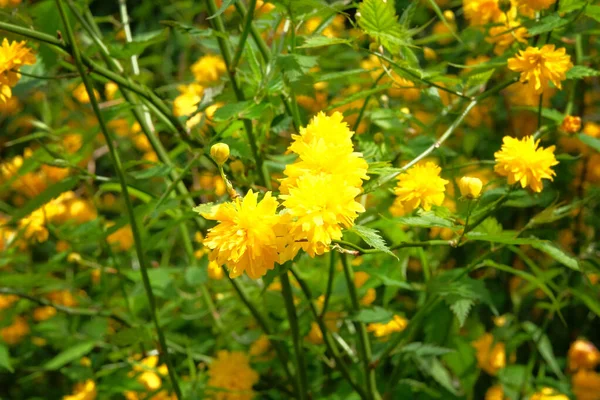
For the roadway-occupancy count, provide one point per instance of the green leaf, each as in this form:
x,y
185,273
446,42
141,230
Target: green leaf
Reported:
x,y
378,19
191,30
506,237
359,95
72,353
547,24
556,253
372,238
593,12
205,208
375,314
224,5
129,336
461,309
295,66
580,71
434,368
161,170
195,276
544,347
139,44
554,213
571,5
425,220
480,78
425,349
5,358
322,41
590,141
51,193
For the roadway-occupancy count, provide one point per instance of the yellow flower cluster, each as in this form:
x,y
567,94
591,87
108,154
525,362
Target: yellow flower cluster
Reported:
x,y
539,67
382,330
148,373
523,162
420,186
318,194
12,57
233,377
491,356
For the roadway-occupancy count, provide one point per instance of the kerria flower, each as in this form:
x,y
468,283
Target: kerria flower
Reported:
x,y
187,102
248,236
522,161
12,57
420,186
232,376
491,356
541,66
548,394
83,391
208,69
381,330
480,12
586,385
505,35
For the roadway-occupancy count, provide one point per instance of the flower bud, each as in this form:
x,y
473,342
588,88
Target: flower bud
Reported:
x,y
429,53
449,15
504,5
220,153
470,187
571,124
378,138
583,354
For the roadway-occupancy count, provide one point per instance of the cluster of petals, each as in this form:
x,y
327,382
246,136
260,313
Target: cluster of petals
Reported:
x,y
230,376
523,162
540,66
12,57
420,186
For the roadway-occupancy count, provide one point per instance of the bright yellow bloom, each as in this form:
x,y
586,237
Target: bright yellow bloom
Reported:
x,y
12,57
381,330
541,66
548,394
421,186
187,102
494,393
583,354
215,271
571,124
504,36
122,238
81,94
490,356
110,89
586,385
248,236
480,12
83,391
232,375
219,152
470,187
522,161
148,373
208,69
537,4
319,206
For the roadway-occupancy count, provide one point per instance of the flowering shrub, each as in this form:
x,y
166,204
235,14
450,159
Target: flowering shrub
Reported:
x,y
243,199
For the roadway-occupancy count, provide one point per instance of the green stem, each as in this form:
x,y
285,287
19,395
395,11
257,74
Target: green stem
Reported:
x,y
327,338
121,175
247,26
288,297
363,336
539,116
329,288
217,24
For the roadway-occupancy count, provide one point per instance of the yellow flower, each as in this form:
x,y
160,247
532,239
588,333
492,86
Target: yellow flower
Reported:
x,y
9,3
421,186
360,278
480,12
319,206
81,94
403,88
148,374
83,391
504,36
586,385
122,238
208,69
261,349
7,300
232,375
315,336
44,313
470,187
548,394
187,102
494,393
381,330
12,57
110,89
571,124
15,332
583,354
522,161
490,356
537,4
219,152
248,236
540,66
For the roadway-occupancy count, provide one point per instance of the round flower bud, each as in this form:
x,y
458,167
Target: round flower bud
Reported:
x,y
470,187
429,53
449,15
220,153
504,5
571,124
378,138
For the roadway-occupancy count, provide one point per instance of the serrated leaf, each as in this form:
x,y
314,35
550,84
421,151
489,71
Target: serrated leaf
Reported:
x,y
139,44
593,142
425,220
294,66
547,24
191,30
372,238
379,20
434,368
580,71
72,353
5,358
322,41
205,208
556,253
374,314
461,309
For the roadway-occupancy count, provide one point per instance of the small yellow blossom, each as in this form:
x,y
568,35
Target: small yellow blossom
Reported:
x,y
490,356
15,332
12,57
110,89
81,94
215,271
522,161
232,377
505,35
220,153
421,186
586,385
7,300
382,330
537,5
583,354
208,69
541,66
470,187
187,102
571,124
480,12
494,393
122,238
44,313
83,391
548,394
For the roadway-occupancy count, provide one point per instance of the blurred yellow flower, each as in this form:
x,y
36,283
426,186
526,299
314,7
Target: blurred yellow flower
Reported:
x,y
490,356
480,12
83,391
537,5
7,300
187,102
12,57
382,330
122,238
470,187
421,186
586,385
44,313
541,66
232,375
15,332
494,393
81,94
523,162
548,394
571,124
583,354
505,35
208,69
